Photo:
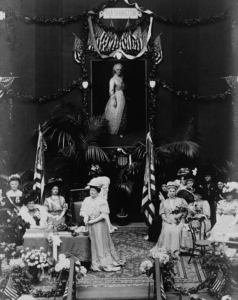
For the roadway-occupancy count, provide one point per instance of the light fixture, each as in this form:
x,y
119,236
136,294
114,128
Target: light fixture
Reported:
x,y
2,15
85,84
152,83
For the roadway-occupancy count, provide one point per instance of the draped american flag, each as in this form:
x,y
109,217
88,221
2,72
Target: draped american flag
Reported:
x,y
10,290
137,39
218,283
5,83
39,177
149,192
158,50
102,39
78,49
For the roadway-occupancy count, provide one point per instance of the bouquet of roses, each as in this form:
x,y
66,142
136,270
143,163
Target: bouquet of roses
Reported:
x,y
37,217
180,209
147,267
37,258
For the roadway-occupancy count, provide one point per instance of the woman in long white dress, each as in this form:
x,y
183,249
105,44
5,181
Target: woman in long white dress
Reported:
x,y
94,211
226,216
170,237
115,111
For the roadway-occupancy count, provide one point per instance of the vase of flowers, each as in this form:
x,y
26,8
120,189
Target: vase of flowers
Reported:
x,y
37,260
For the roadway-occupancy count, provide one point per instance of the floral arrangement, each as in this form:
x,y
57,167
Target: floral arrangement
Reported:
x,y
63,264
37,258
146,267
180,209
166,266
10,251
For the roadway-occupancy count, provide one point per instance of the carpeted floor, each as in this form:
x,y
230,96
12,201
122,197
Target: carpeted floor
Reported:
x,y
130,245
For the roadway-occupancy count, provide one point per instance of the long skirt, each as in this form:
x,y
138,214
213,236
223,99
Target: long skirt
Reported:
x,y
102,248
116,116
223,228
170,238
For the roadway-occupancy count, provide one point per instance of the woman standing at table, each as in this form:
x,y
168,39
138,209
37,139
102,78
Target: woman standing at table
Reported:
x,y
55,204
226,214
94,211
33,213
170,237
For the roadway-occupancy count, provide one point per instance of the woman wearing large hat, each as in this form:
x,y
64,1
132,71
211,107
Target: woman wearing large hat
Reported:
x,y
95,211
173,221
227,213
55,204
33,213
13,199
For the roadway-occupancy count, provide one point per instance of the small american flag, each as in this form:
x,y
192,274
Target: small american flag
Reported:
x,y
163,295
10,290
218,283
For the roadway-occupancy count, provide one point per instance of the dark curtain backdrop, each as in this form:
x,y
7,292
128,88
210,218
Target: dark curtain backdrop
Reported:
x,y
195,59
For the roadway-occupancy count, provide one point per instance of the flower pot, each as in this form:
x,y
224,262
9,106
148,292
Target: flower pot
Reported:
x,y
36,274
122,219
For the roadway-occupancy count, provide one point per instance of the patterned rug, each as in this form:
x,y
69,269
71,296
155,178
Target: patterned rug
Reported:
x,y
130,245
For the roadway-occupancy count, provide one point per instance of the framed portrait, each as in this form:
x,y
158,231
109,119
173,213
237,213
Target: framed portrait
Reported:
x,y
122,98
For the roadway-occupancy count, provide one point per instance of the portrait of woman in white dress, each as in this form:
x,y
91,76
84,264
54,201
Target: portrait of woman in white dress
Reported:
x,y
116,110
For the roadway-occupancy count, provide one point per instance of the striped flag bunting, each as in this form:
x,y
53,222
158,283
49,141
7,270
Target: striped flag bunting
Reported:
x,y
5,83
65,295
144,38
10,290
114,42
163,295
137,39
158,50
149,191
78,49
90,42
39,176
218,283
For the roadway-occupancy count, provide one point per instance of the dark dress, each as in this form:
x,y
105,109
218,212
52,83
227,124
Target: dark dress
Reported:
x,y
13,200
209,195
187,195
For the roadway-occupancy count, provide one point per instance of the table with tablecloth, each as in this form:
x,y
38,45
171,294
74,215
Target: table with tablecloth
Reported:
x,y
78,246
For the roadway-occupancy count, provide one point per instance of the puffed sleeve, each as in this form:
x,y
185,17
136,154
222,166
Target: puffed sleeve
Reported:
x,y
161,208
219,209
104,208
46,204
206,209
83,209
63,204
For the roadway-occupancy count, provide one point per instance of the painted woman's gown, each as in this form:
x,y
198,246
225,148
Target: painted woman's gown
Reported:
x,y
197,209
116,116
228,211
170,237
103,252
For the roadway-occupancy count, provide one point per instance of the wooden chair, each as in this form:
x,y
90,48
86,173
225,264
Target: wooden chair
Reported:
x,y
199,242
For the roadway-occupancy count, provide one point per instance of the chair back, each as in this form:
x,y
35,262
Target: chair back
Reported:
x,y
76,198
197,227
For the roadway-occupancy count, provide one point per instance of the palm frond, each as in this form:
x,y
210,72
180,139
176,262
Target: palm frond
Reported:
x,y
96,154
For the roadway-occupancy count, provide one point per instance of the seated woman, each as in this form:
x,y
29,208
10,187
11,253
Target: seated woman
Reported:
x,y
94,211
13,199
226,215
55,204
196,210
32,213
170,237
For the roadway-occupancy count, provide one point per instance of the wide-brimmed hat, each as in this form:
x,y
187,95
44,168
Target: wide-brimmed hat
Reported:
x,y
54,182
231,188
183,172
30,196
95,183
174,184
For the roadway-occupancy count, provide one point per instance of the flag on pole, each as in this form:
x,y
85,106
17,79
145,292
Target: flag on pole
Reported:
x,y
218,283
149,192
163,295
39,177
10,290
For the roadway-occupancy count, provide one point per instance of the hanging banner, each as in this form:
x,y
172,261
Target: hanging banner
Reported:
x,y
120,13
